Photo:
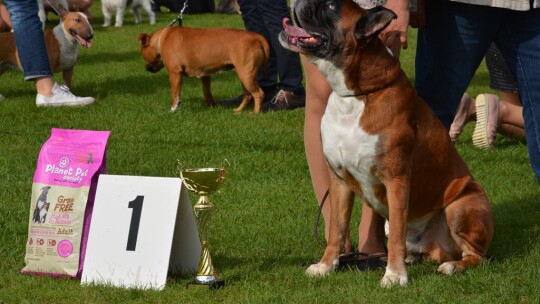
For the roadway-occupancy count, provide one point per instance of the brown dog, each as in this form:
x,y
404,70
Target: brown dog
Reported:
x,y
384,143
61,42
201,53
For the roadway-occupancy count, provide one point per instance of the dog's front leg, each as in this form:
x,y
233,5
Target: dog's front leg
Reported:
x,y
67,75
175,79
341,202
397,191
208,98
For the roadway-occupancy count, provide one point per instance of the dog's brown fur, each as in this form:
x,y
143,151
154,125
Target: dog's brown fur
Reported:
x,y
201,53
61,43
397,155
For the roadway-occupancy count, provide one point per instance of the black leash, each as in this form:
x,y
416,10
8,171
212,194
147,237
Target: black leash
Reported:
x,y
318,218
179,17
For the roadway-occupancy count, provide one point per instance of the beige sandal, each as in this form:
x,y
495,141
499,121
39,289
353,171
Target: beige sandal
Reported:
x,y
487,116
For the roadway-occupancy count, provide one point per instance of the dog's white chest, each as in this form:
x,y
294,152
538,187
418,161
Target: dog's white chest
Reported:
x,y
347,146
68,49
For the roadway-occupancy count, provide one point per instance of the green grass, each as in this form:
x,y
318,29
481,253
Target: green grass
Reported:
x,y
262,238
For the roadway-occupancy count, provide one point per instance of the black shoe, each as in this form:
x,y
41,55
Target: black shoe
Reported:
x,y
269,93
284,100
231,102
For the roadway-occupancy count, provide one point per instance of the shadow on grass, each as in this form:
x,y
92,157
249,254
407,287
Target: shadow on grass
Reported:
x,y
516,227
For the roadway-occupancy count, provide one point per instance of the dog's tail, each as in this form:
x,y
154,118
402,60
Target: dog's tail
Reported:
x,y
266,49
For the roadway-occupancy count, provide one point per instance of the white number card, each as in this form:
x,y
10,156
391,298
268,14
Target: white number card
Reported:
x,y
141,229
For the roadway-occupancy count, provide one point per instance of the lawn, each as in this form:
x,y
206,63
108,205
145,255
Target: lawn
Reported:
x,y
262,231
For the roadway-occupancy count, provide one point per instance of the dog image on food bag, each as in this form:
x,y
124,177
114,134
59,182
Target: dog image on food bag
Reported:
x,y
40,203
201,53
383,143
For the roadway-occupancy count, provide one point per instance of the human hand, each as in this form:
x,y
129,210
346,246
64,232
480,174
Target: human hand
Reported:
x,y
395,35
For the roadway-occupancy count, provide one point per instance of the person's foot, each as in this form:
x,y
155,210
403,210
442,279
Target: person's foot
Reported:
x,y
284,100
62,97
461,117
487,116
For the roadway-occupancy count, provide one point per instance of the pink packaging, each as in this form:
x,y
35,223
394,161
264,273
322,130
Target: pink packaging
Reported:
x,y
63,192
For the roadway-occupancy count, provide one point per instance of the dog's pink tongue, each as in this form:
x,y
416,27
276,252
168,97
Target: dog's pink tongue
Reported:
x,y
294,31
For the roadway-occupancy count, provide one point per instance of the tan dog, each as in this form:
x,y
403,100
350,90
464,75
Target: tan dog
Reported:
x,y
383,143
201,53
61,42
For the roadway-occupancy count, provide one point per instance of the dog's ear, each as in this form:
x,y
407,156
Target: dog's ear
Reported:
x,y
375,20
144,39
62,11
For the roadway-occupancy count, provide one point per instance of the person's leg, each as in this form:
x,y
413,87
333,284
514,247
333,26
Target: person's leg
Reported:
x,y
288,63
253,21
317,92
29,38
519,43
450,48
511,115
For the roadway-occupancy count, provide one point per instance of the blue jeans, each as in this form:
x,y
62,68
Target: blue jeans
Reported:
x,y
452,45
28,32
265,17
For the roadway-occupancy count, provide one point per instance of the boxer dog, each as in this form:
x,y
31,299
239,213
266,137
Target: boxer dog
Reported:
x,y
200,53
383,143
61,42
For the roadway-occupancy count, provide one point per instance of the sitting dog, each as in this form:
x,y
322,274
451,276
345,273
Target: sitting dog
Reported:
x,y
41,201
383,143
61,42
201,53
108,8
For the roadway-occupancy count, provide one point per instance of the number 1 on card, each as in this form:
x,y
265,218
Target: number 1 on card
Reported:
x,y
136,205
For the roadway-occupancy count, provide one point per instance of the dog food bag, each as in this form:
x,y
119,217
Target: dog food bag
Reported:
x,y
63,191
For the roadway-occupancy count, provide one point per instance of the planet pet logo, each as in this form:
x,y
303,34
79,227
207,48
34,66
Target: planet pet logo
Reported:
x,y
64,161
69,174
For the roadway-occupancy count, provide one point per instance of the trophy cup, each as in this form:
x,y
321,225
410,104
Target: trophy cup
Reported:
x,y
204,181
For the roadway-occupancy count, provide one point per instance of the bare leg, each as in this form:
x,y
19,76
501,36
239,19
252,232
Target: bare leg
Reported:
x,y
317,92
511,115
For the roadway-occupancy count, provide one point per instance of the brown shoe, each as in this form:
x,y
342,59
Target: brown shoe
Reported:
x,y
284,100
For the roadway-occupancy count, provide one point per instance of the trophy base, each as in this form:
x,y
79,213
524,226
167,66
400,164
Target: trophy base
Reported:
x,y
212,285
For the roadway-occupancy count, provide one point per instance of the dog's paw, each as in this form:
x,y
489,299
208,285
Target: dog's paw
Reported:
x,y
412,258
319,270
391,279
447,268
174,109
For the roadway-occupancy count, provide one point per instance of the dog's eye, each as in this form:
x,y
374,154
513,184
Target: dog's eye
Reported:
x,y
78,20
331,4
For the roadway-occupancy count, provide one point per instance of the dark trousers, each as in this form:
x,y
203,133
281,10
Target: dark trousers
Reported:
x,y
265,17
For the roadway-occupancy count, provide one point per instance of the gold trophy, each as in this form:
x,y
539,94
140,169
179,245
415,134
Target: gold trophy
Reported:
x,y
203,182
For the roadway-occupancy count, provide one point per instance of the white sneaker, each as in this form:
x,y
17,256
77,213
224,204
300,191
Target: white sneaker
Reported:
x,y
62,97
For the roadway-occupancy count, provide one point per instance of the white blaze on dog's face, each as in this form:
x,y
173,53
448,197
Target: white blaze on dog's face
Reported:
x,y
150,53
